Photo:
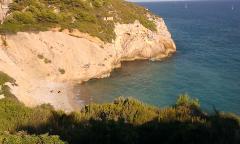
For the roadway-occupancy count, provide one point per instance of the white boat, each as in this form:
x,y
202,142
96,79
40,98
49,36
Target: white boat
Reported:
x,y
186,6
232,7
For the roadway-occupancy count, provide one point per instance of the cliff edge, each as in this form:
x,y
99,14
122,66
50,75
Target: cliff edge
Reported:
x,y
46,64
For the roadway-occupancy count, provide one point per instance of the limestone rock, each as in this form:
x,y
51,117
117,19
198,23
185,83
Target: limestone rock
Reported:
x,y
4,9
34,59
2,96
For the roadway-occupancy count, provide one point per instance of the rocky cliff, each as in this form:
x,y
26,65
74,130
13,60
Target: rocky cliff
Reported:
x,y
4,9
46,64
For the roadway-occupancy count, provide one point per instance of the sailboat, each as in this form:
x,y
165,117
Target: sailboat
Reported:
x,y
186,6
232,7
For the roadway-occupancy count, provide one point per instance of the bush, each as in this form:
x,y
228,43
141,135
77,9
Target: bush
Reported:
x,y
62,71
5,78
48,16
86,16
185,100
5,90
47,61
126,120
40,56
98,3
21,138
21,18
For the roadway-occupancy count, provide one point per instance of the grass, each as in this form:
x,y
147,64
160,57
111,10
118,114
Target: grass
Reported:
x,y
84,15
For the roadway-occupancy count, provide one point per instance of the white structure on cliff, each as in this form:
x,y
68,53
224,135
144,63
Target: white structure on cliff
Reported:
x,y
3,9
108,18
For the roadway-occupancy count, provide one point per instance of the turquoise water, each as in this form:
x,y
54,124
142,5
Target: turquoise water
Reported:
x,y
206,65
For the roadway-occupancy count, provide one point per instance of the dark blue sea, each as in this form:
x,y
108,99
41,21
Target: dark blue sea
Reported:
x,y
206,65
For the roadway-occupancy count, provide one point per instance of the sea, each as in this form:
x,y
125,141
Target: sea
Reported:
x,y
206,65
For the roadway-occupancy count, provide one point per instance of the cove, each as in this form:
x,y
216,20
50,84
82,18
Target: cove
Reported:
x,y
206,65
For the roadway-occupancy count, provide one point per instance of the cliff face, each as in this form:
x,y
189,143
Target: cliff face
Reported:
x,y
136,42
4,9
46,64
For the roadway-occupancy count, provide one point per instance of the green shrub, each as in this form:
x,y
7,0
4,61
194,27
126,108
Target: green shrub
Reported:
x,y
62,71
98,3
129,109
84,15
48,16
40,56
185,100
21,138
47,61
5,90
14,115
21,18
124,121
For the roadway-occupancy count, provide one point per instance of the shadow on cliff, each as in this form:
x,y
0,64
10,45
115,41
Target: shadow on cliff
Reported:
x,y
215,130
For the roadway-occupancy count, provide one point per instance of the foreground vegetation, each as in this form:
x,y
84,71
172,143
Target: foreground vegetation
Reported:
x,y
124,121
88,16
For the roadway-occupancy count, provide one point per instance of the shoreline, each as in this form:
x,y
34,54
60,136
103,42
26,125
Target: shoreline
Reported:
x,y
44,62
79,97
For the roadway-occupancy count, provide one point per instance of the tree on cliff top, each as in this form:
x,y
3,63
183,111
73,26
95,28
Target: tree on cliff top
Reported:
x,y
96,17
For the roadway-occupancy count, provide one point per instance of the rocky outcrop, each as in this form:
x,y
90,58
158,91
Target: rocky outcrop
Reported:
x,y
45,65
4,9
136,42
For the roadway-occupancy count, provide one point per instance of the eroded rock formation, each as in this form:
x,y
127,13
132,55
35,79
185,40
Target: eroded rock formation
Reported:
x,y
46,64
